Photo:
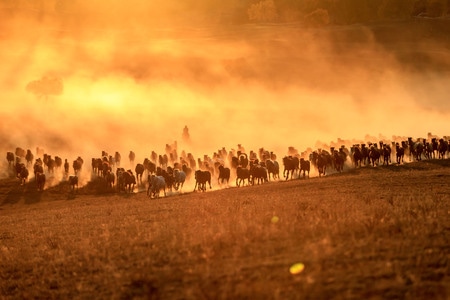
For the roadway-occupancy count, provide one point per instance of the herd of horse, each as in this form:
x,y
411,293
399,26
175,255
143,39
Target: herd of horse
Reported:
x,y
170,171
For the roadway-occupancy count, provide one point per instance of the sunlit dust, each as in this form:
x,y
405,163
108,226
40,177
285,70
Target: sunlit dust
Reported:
x,y
109,95
135,76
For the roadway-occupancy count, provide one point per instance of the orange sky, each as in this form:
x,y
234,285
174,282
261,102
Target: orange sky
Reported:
x,y
134,86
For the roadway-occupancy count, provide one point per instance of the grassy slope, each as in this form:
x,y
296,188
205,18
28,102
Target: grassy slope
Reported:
x,y
370,233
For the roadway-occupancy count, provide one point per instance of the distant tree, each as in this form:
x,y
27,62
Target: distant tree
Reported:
x,y
46,86
263,11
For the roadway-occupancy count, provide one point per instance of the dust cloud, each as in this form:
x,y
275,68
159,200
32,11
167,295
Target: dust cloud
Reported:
x,y
132,81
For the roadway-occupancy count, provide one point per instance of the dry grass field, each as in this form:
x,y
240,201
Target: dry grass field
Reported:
x,y
367,233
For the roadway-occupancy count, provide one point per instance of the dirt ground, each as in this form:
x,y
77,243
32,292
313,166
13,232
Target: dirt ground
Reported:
x,y
367,233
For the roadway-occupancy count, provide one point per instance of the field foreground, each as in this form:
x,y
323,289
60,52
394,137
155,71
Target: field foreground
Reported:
x,y
368,233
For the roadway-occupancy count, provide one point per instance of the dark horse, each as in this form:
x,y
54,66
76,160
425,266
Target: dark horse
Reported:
x,y
291,165
339,158
320,161
357,156
399,153
273,168
305,166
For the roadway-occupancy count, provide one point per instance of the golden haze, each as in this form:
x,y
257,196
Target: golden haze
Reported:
x,y
134,76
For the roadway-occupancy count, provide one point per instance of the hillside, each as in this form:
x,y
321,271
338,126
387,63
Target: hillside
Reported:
x,y
14,195
367,233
